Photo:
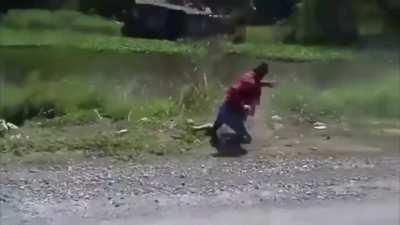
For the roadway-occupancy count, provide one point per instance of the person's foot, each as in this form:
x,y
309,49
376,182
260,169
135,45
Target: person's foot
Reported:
x,y
214,141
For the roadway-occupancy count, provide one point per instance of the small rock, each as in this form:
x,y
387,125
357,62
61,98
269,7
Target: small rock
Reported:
x,y
14,137
123,131
327,137
3,127
276,118
320,126
159,153
190,121
314,148
3,199
12,126
144,119
278,126
33,171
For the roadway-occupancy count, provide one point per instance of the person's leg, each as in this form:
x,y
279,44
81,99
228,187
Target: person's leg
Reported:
x,y
212,132
240,129
236,121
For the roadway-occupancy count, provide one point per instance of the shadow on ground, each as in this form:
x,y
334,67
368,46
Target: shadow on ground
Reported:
x,y
230,145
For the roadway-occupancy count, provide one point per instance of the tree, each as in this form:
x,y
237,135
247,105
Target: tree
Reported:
x,y
392,15
271,11
326,21
107,8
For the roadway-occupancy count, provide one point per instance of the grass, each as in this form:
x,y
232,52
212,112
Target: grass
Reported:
x,y
373,99
73,98
75,30
91,42
104,141
42,20
267,34
291,52
158,125
95,42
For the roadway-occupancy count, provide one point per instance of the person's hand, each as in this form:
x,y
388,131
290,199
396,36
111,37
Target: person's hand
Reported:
x,y
247,108
272,84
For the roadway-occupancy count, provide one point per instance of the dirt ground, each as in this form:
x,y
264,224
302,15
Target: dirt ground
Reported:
x,y
293,174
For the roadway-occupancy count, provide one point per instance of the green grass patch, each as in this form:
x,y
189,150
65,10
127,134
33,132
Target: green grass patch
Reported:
x,y
377,99
78,99
95,42
157,125
267,34
92,42
104,140
42,20
70,29
291,52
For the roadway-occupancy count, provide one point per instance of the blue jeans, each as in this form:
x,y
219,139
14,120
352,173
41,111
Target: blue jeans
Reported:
x,y
235,120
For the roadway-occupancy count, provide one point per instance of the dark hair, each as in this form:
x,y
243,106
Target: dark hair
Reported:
x,y
262,68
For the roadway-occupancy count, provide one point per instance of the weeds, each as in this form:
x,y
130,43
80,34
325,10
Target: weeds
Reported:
x,y
373,99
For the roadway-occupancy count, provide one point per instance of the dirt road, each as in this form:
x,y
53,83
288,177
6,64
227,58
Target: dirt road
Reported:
x,y
253,189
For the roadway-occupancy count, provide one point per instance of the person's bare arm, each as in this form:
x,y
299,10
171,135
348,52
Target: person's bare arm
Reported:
x,y
270,84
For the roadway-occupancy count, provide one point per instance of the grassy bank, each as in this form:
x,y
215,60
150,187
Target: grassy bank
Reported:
x,y
73,98
370,99
96,42
75,115
44,20
76,30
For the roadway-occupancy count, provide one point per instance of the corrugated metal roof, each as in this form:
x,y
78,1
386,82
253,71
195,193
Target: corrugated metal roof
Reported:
x,y
163,3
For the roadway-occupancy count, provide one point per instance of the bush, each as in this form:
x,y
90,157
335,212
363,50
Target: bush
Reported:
x,y
36,19
329,21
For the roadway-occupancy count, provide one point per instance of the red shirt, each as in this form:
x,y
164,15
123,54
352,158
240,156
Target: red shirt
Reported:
x,y
245,91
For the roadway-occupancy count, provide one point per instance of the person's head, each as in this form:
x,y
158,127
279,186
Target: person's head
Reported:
x,y
261,70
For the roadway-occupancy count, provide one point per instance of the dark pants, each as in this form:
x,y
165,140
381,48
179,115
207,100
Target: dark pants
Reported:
x,y
235,120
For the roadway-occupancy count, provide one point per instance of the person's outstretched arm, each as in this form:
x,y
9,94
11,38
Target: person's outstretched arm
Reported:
x,y
270,84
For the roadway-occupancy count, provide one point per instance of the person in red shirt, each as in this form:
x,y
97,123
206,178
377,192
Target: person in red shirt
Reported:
x,y
240,101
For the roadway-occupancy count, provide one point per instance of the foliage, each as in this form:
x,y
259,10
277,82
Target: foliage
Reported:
x,y
374,99
330,21
39,20
291,52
